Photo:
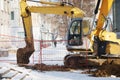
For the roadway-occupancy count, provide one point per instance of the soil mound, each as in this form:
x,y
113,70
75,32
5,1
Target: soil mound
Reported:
x,y
44,67
108,68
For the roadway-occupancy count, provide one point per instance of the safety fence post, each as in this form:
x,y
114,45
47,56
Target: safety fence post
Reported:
x,y
40,55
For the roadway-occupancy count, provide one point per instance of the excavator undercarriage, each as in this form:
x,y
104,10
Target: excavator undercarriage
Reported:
x,y
85,57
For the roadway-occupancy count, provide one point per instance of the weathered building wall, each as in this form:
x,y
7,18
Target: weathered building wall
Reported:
x,y
4,24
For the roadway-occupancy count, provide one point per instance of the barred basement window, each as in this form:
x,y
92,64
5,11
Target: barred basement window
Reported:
x,y
12,15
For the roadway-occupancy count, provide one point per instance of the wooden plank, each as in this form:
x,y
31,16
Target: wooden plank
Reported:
x,y
10,74
3,70
19,76
21,69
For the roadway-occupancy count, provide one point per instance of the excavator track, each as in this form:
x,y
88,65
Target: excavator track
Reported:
x,y
78,61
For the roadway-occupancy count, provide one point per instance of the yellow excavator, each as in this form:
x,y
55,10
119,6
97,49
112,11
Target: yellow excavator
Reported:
x,y
103,36
62,8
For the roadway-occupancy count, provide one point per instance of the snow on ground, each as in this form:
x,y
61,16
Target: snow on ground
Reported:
x,y
56,75
56,53
53,75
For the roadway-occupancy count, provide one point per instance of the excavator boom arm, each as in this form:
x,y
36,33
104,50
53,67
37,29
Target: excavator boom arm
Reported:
x,y
57,8
106,5
69,11
23,54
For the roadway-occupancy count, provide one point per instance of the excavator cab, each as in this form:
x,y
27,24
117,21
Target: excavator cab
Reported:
x,y
76,31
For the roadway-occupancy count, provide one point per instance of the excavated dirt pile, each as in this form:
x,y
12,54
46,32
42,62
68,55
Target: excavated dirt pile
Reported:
x,y
44,67
108,68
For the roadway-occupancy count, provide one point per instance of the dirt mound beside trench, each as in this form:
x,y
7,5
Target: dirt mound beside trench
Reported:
x,y
44,67
107,69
